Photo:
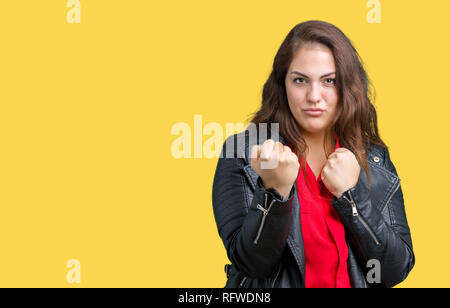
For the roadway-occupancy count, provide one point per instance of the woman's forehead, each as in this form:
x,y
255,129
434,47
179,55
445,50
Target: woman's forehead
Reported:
x,y
313,63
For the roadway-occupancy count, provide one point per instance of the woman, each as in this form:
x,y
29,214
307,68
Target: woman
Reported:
x,y
315,218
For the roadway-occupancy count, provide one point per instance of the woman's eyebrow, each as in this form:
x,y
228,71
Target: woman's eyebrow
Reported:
x,y
298,73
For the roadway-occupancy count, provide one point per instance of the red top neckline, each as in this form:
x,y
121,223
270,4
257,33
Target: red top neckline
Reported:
x,y
323,233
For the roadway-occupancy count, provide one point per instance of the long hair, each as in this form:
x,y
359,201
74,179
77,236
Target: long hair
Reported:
x,y
355,123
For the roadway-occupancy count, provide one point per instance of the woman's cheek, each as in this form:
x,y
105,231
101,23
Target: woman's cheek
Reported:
x,y
332,100
299,99
295,102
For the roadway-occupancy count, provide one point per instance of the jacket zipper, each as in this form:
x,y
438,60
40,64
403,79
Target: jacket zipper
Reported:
x,y
390,197
361,220
241,285
276,276
265,212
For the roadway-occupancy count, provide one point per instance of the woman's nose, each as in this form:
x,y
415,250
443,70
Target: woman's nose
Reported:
x,y
314,94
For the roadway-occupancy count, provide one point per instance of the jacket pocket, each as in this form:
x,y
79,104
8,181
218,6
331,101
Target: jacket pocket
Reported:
x,y
234,278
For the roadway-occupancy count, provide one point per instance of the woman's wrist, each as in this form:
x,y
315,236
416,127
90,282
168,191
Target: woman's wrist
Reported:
x,y
284,192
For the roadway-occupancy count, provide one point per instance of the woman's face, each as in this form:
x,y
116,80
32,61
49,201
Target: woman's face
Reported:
x,y
311,88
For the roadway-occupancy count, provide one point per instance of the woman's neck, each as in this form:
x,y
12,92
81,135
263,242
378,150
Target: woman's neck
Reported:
x,y
316,143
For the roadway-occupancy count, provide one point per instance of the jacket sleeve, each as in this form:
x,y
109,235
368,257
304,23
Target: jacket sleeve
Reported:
x,y
253,226
372,237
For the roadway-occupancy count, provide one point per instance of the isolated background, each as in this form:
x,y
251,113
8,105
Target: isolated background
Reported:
x,y
86,111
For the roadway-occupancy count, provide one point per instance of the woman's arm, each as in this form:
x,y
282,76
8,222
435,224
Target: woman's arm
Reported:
x,y
372,237
255,236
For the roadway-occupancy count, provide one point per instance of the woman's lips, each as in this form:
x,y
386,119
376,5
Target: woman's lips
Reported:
x,y
314,112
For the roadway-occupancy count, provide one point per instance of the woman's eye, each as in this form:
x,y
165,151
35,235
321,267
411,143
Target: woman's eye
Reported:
x,y
330,81
301,80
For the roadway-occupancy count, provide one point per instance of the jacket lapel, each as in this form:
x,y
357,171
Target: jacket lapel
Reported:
x,y
295,237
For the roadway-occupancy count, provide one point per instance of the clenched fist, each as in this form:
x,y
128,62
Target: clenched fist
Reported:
x,y
341,171
276,164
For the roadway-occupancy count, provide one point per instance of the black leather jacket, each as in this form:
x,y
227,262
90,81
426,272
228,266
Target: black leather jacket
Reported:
x,y
265,246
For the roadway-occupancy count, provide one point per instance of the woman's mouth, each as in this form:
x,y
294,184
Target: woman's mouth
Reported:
x,y
314,111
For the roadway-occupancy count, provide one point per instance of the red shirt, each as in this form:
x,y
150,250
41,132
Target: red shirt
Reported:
x,y
326,250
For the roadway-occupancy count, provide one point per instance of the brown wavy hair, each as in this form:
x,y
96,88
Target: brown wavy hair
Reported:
x,y
355,123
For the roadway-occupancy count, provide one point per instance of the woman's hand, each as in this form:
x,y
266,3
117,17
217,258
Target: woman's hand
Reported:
x,y
276,164
341,171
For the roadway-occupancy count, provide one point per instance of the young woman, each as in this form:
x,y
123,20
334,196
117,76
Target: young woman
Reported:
x,y
330,212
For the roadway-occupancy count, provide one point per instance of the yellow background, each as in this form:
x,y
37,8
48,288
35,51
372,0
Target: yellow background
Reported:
x,y
86,112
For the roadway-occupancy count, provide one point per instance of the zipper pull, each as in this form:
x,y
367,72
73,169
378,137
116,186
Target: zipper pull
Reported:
x,y
354,211
352,204
259,207
241,285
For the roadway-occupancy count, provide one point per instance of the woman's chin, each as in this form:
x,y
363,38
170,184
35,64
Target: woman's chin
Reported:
x,y
314,129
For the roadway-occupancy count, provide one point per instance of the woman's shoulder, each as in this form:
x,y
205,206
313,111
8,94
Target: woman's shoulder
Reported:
x,y
380,156
376,152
